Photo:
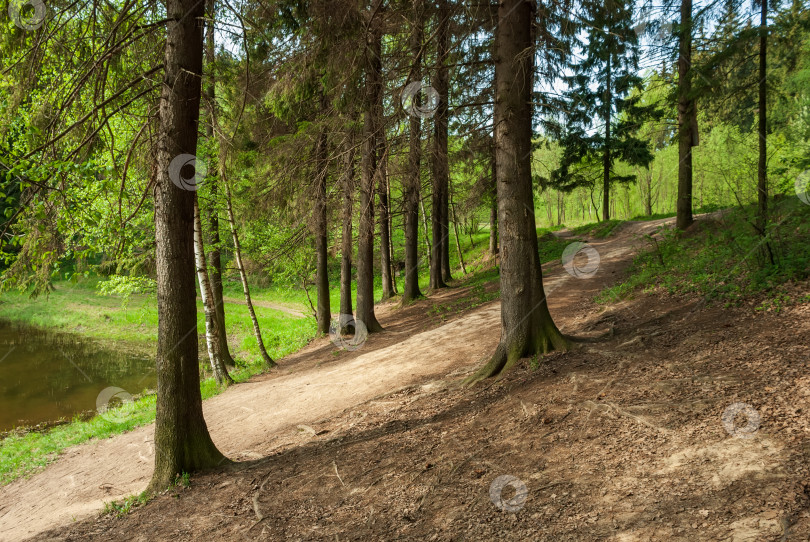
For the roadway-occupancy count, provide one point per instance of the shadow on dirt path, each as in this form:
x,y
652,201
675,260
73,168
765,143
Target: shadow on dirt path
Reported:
x,y
251,420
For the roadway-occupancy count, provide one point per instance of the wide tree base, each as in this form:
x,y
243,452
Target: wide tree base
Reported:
x,y
374,326
512,349
408,300
167,476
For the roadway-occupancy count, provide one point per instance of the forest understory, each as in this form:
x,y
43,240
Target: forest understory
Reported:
x,y
621,438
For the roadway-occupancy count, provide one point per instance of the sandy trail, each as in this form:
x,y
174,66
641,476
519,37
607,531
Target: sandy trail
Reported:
x,y
249,420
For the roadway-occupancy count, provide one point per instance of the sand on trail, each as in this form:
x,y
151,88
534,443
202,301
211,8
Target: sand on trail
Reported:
x,y
248,420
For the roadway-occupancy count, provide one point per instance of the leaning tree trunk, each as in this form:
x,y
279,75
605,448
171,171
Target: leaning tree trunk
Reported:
x,y
458,238
323,315
213,214
413,177
212,323
428,248
686,119
526,325
237,255
385,223
182,441
346,242
606,155
371,127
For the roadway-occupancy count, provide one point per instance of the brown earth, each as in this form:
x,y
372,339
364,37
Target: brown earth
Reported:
x,y
621,438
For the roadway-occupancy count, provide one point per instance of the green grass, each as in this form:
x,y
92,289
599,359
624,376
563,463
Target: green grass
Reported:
x,y
550,249
126,505
76,307
725,259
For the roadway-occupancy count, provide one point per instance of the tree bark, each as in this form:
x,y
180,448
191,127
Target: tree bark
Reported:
x,y
606,156
385,222
346,240
493,213
215,256
369,166
686,121
425,226
440,262
237,255
413,178
458,239
391,261
323,315
212,324
527,327
762,172
182,441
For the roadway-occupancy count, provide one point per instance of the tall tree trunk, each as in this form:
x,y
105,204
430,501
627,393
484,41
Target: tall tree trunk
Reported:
x,y
440,262
608,143
346,313
371,129
391,261
413,177
686,119
182,441
526,325
385,223
213,213
237,255
425,227
323,315
493,213
212,323
648,195
762,172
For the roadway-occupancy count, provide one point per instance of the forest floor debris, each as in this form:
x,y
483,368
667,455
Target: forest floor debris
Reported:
x,y
619,439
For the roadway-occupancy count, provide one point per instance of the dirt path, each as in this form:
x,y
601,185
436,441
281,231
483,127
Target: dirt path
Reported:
x,y
250,420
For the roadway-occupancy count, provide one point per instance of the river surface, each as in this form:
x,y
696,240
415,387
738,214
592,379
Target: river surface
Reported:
x,y
45,376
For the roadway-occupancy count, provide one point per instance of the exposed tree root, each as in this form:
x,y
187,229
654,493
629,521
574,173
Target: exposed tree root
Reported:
x,y
507,356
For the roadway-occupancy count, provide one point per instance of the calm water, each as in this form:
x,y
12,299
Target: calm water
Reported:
x,y
45,376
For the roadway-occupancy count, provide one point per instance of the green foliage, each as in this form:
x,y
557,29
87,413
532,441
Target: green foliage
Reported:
x,y
124,506
725,259
602,104
125,286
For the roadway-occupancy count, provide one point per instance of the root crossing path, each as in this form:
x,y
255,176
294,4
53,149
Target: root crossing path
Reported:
x,y
250,420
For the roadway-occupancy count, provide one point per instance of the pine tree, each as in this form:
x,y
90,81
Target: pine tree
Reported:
x,y
600,107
